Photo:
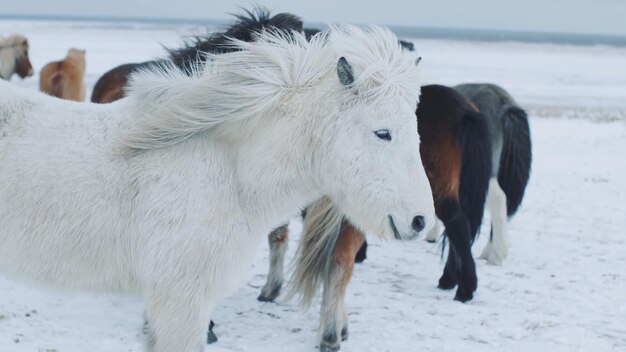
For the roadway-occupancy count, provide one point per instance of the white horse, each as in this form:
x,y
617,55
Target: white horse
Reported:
x,y
169,192
14,57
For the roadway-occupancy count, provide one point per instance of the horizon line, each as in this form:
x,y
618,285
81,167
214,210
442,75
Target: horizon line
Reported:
x,y
444,32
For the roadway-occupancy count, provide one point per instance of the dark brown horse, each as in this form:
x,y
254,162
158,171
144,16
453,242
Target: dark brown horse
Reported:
x,y
14,57
110,87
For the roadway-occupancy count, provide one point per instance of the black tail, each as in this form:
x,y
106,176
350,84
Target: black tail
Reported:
x,y
515,158
475,143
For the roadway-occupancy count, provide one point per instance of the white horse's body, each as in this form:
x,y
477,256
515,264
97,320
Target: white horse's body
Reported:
x,y
169,192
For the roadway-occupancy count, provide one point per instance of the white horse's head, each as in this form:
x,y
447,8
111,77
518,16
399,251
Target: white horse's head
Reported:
x,y
371,155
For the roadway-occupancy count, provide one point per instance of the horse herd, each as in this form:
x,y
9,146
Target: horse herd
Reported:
x,y
166,193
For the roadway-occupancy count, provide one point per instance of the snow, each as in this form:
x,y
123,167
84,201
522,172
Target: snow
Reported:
x,y
563,287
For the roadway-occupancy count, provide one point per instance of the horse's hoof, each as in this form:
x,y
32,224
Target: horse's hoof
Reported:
x,y
263,298
447,282
210,336
329,348
330,342
494,255
344,333
463,296
269,295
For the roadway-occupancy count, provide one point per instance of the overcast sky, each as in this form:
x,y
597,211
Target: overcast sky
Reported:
x,y
574,16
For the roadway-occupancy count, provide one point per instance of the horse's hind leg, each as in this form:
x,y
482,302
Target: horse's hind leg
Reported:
x,y
176,321
497,248
278,247
333,317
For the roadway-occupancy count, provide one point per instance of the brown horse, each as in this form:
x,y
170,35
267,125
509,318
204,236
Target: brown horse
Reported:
x,y
65,79
110,87
14,57
456,152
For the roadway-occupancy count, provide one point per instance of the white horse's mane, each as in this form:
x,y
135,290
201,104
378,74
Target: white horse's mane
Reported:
x,y
260,77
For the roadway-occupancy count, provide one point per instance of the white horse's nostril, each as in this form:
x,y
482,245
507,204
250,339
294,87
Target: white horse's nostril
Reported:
x,y
418,223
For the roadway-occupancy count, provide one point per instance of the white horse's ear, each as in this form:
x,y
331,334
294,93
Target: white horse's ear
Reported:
x,y
344,70
418,60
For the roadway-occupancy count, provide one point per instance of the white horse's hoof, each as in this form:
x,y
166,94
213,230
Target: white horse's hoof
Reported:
x,y
494,255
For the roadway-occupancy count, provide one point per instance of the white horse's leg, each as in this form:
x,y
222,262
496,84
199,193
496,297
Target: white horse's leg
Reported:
x,y
433,235
176,322
333,316
278,247
497,248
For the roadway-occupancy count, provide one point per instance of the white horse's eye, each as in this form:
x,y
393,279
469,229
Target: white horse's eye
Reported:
x,y
383,134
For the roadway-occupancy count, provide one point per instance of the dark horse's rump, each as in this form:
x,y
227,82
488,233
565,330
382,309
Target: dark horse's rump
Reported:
x,y
512,154
110,86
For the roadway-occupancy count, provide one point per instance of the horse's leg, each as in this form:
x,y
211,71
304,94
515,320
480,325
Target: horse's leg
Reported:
x,y
460,261
497,248
278,247
176,322
449,278
333,316
458,231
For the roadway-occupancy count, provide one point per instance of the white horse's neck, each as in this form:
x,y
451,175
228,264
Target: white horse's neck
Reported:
x,y
274,177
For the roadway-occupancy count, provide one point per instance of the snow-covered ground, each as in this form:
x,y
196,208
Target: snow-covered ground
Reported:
x,y
562,289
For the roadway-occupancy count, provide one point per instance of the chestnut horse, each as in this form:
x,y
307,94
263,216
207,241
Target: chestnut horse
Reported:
x,y
14,57
461,149
65,79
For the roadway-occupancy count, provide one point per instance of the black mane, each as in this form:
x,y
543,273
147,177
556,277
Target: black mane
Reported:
x,y
406,45
309,32
244,28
